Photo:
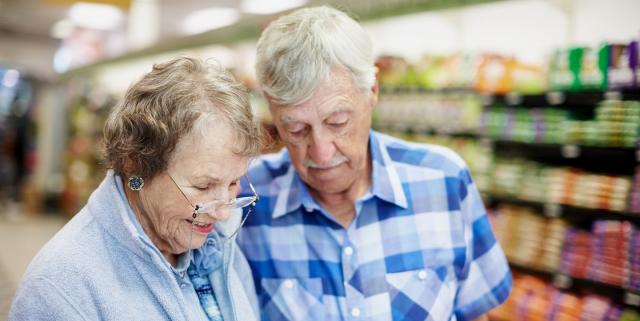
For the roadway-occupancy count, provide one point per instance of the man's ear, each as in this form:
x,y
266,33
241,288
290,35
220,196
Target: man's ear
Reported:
x,y
375,89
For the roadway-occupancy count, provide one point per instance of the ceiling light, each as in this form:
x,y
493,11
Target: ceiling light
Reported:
x,y
208,19
269,7
96,16
10,78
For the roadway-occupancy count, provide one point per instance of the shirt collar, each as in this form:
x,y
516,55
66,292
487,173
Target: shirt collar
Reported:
x,y
386,185
385,181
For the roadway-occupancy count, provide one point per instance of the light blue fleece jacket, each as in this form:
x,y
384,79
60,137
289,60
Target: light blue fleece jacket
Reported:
x,y
101,266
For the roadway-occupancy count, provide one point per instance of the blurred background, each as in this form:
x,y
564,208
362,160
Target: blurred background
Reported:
x,y
541,98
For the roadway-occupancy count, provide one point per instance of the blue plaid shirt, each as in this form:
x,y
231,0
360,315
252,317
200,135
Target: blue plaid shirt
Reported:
x,y
420,246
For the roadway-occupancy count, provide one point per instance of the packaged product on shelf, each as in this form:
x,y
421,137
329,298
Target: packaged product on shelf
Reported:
x,y
441,112
528,238
635,57
575,66
560,75
576,254
430,72
634,264
616,124
593,67
391,70
495,74
629,315
533,298
634,199
623,62
565,69
459,71
528,79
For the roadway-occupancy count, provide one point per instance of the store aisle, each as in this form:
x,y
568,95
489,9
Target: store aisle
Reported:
x,y
20,240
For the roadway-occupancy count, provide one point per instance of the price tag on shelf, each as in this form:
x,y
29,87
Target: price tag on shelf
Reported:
x,y
570,151
555,97
613,95
486,143
398,127
562,281
513,98
632,299
552,210
487,100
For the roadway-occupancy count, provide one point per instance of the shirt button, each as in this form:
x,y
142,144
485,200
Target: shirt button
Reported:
x,y
183,285
348,251
308,209
355,312
422,275
288,284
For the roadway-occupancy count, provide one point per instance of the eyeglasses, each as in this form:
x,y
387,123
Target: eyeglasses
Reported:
x,y
216,206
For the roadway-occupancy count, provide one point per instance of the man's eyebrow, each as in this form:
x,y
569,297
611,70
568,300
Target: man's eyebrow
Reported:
x,y
342,109
288,119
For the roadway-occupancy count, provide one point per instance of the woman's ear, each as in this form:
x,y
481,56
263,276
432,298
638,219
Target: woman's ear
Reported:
x,y
129,168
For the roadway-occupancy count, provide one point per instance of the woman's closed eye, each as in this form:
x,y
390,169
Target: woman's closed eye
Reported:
x,y
202,188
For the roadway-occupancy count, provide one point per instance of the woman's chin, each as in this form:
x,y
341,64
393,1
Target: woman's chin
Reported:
x,y
197,241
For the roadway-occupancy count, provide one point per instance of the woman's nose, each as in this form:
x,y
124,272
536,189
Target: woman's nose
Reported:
x,y
220,213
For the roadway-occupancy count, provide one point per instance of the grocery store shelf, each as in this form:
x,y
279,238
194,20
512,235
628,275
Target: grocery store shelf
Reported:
x,y
617,294
598,159
613,160
588,98
603,159
567,211
387,89
416,129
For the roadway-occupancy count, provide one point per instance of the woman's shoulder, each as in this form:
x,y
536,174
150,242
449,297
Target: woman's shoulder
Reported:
x,y
73,249
62,270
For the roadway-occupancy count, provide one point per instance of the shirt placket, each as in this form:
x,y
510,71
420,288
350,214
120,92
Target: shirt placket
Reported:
x,y
354,299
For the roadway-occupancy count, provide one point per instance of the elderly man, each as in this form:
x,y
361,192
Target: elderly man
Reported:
x,y
353,224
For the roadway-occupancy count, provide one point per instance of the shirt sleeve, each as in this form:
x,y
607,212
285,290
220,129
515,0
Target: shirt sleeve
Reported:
x,y
39,299
485,280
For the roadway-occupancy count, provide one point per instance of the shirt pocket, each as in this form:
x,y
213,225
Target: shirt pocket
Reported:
x,y
295,299
423,294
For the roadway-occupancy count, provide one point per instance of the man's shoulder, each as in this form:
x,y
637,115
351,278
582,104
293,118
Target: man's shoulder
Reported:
x,y
265,168
416,155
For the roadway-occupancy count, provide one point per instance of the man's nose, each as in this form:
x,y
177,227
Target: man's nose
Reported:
x,y
321,148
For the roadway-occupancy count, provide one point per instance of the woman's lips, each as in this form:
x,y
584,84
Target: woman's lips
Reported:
x,y
202,228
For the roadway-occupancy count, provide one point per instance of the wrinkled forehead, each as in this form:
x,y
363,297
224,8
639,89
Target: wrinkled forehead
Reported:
x,y
210,148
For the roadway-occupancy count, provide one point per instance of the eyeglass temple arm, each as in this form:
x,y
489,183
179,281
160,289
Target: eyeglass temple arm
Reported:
x,y
181,192
252,188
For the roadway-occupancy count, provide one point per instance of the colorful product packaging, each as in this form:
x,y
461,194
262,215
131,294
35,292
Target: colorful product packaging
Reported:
x,y
623,63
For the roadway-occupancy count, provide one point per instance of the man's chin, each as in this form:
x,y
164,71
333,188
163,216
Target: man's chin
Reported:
x,y
331,185
329,176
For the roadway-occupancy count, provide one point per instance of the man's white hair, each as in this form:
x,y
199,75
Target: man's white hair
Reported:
x,y
297,52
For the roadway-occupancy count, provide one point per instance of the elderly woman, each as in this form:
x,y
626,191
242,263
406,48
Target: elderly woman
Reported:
x,y
156,238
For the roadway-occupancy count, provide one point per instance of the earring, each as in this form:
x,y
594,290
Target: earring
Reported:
x,y
135,183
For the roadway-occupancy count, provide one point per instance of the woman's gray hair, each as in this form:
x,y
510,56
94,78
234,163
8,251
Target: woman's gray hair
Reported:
x,y
173,99
297,52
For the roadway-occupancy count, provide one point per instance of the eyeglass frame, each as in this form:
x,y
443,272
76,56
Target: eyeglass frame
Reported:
x,y
234,200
